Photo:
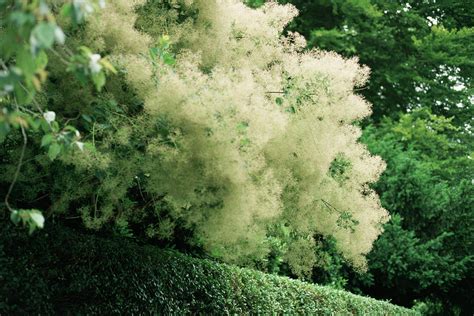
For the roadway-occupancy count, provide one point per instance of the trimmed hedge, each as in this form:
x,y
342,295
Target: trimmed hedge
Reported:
x,y
61,271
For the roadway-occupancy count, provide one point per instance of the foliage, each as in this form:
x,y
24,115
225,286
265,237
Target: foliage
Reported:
x,y
214,129
96,275
429,182
28,32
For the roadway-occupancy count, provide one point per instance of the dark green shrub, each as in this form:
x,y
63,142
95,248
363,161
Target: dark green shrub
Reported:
x,y
61,271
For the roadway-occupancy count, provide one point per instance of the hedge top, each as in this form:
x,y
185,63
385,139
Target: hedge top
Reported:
x,y
62,271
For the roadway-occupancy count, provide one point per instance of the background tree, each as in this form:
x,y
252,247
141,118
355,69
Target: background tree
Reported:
x,y
426,251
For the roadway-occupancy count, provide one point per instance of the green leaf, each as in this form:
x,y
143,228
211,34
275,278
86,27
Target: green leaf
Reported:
x,y
87,118
41,60
45,127
99,80
168,59
4,130
67,10
85,51
35,123
55,126
43,34
108,66
47,139
54,151
23,96
21,18
26,62
154,51
15,217
242,127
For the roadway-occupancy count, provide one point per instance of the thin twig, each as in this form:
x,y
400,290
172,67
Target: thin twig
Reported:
x,y
96,202
40,198
4,66
29,111
72,118
93,134
330,207
140,188
122,115
68,50
18,168
32,99
283,92
61,58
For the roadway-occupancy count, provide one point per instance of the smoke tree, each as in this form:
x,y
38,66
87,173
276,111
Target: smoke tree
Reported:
x,y
216,131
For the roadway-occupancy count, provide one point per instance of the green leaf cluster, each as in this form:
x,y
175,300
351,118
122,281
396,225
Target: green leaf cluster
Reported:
x,y
30,38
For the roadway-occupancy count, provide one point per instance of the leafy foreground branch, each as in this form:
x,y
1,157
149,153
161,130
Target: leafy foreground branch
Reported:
x,y
61,271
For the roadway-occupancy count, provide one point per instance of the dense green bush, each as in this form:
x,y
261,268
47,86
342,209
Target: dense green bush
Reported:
x,y
64,272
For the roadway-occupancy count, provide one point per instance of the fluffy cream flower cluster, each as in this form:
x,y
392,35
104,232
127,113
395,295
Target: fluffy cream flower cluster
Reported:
x,y
249,128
